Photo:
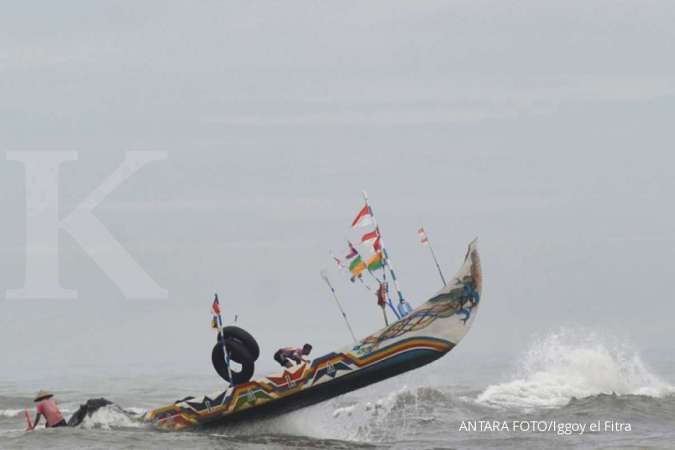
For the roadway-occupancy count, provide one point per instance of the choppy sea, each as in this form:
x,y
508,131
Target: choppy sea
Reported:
x,y
566,391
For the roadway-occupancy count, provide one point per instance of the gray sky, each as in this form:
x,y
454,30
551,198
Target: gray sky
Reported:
x,y
544,128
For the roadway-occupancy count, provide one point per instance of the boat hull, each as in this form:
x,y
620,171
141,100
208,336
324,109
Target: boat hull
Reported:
x,y
426,334
391,367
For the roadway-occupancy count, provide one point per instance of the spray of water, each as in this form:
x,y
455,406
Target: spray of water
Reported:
x,y
574,363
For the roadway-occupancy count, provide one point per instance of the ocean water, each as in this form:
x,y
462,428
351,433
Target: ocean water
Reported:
x,y
541,399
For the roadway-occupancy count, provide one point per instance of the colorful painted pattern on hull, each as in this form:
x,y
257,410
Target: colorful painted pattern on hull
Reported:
x,y
424,335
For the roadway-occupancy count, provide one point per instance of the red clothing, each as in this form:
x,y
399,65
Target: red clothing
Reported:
x,y
48,408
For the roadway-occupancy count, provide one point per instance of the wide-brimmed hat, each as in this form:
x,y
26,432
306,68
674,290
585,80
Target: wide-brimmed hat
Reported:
x,y
43,394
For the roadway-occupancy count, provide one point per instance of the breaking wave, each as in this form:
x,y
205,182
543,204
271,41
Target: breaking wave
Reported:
x,y
112,416
384,417
567,365
404,414
11,412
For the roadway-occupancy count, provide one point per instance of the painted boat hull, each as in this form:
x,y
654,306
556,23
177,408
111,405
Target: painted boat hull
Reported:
x,y
426,334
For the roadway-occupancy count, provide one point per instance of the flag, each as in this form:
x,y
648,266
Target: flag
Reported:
x,y
357,266
374,238
369,237
363,218
377,245
423,236
352,251
338,262
375,262
355,263
215,307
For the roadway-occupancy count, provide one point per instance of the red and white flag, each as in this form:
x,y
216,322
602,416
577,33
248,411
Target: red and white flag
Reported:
x,y
370,237
363,218
215,307
377,245
423,236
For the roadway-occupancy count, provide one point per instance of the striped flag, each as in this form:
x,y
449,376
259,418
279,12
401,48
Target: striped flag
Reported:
x,y
363,218
375,262
357,266
423,236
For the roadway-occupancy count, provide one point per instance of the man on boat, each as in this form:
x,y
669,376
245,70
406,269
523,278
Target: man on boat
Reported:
x,y
288,355
46,406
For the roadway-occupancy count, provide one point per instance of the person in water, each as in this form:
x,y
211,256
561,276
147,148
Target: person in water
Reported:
x,y
288,355
46,406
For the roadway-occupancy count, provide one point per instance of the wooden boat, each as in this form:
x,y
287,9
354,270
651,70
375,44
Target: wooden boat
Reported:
x,y
427,333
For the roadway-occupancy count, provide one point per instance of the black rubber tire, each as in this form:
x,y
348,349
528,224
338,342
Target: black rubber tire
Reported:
x,y
245,338
239,353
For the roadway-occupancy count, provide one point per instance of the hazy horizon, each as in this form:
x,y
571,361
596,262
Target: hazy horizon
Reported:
x,y
543,130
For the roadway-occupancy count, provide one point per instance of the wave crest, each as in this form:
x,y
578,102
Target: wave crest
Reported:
x,y
574,364
111,416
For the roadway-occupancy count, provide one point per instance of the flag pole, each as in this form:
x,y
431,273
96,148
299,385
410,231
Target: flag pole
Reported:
x,y
391,305
370,272
433,254
339,305
222,337
387,261
360,277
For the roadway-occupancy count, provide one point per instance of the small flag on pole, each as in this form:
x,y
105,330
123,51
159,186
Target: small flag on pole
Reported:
x,y
363,218
375,262
369,237
357,266
338,261
215,307
423,236
352,251
424,239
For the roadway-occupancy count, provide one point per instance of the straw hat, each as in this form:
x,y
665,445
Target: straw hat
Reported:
x,y
43,394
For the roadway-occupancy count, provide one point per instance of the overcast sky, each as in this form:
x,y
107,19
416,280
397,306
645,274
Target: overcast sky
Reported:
x,y
543,128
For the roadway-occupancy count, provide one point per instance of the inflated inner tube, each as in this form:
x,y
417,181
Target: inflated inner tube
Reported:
x,y
237,352
245,338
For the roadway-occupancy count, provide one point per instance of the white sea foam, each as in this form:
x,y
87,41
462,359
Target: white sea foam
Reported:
x,y
329,421
11,412
387,417
19,412
578,364
111,416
